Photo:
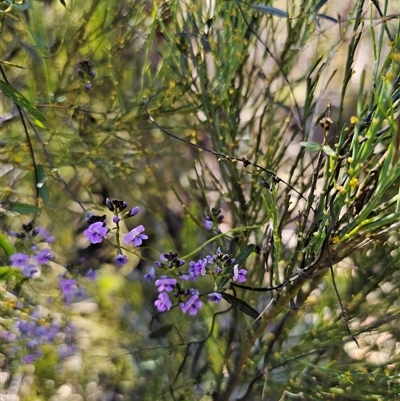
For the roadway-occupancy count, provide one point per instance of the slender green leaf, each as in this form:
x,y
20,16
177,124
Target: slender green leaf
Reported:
x,y
328,150
21,101
24,208
311,146
271,10
161,331
42,178
5,244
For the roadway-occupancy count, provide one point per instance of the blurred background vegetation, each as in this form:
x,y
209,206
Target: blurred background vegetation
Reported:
x,y
303,96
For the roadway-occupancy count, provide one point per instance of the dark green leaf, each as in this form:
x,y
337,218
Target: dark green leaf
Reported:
x,y
240,259
161,331
42,178
24,208
327,17
271,10
320,4
21,101
242,305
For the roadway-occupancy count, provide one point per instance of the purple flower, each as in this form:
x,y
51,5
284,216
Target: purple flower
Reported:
x,y
239,275
25,327
8,336
215,297
135,236
19,259
96,232
163,302
68,289
44,256
200,266
65,350
165,283
116,219
208,224
132,212
32,357
151,275
191,305
29,270
121,259
44,235
91,274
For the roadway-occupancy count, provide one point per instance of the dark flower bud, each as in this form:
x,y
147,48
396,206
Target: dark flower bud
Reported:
x,y
245,162
88,86
92,218
110,205
20,235
265,184
27,227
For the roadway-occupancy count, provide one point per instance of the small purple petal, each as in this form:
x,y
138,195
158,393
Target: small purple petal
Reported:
x,y
19,259
215,297
44,256
165,284
151,275
135,236
239,275
96,232
163,302
91,274
191,305
121,259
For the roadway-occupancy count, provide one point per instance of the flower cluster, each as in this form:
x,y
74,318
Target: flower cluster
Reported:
x,y
35,242
97,230
173,278
29,334
87,73
214,220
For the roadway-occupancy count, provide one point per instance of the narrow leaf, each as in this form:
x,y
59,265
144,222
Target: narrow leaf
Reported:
x,y
320,4
161,331
328,150
327,17
21,100
311,146
7,64
24,208
6,246
271,10
42,177
242,305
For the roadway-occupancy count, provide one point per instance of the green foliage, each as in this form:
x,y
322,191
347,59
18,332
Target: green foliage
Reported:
x,y
259,110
